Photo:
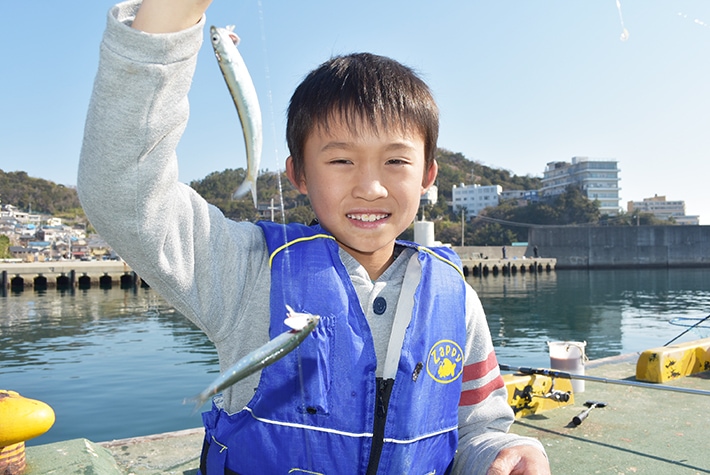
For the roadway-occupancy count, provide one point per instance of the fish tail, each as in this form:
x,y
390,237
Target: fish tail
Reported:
x,y
198,400
246,186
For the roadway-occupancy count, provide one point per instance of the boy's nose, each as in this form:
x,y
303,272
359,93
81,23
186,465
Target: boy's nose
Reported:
x,y
369,186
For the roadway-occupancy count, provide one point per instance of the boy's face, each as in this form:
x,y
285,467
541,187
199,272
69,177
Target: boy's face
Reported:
x,y
365,187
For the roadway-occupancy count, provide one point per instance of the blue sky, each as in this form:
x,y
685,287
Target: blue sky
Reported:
x,y
519,84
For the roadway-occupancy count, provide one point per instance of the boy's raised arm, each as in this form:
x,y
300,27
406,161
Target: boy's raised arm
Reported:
x,y
169,16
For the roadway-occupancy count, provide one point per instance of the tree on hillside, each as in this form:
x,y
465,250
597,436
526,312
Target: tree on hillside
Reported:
x,y
636,218
509,222
36,194
4,247
575,208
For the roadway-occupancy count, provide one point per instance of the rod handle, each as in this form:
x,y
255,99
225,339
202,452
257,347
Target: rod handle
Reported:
x,y
577,420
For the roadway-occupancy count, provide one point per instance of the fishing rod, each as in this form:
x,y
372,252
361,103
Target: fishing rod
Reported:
x,y
559,374
688,329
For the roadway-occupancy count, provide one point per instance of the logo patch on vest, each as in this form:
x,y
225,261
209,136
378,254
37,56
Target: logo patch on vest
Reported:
x,y
445,362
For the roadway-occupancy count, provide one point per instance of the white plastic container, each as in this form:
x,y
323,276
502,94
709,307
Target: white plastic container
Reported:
x,y
424,233
569,356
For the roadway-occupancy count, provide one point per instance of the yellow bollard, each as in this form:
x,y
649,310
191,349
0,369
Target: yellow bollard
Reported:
x,y
12,459
22,419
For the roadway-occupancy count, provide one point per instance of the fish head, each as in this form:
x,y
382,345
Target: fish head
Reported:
x,y
298,320
216,39
218,35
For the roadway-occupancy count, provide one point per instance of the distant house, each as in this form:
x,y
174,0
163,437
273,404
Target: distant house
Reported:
x,y
7,229
7,211
522,197
27,218
44,249
62,250
268,211
97,246
25,253
79,248
430,197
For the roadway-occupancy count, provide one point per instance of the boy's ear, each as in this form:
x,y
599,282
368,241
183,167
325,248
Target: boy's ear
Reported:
x,y
298,182
430,176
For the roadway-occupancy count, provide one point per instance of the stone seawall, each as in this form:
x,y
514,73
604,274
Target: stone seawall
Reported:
x,y
67,275
583,247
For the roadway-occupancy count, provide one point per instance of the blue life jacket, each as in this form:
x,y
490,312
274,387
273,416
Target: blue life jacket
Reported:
x,y
321,409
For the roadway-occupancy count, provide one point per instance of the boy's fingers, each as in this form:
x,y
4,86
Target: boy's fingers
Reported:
x,y
169,16
520,460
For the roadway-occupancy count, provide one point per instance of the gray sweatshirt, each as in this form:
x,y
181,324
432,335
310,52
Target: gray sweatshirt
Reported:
x,y
214,270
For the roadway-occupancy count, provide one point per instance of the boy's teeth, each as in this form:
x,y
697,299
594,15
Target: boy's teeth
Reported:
x,y
367,217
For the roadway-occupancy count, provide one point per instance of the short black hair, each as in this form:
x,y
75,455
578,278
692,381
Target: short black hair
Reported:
x,y
361,88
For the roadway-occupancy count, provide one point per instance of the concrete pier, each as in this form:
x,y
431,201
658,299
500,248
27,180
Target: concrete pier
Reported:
x,y
479,267
480,261
67,275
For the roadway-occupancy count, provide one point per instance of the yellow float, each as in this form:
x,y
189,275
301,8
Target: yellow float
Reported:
x,y
666,363
22,419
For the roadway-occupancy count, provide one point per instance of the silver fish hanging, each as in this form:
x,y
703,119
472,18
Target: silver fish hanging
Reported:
x,y
241,87
301,324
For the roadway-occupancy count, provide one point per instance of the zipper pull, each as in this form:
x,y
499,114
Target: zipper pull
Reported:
x,y
381,391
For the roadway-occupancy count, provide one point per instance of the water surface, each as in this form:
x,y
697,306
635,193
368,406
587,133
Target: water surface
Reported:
x,y
118,363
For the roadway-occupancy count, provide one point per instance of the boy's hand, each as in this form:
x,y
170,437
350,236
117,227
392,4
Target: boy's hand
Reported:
x,y
520,460
168,16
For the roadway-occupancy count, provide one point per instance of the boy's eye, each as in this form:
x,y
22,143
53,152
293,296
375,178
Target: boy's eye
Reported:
x,y
397,161
339,161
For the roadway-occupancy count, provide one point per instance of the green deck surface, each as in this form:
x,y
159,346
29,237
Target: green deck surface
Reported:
x,y
640,431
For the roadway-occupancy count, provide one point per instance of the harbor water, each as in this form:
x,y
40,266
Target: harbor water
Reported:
x,y
119,363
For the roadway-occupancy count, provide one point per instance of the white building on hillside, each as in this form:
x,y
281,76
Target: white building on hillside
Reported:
x,y
598,180
662,209
474,198
430,197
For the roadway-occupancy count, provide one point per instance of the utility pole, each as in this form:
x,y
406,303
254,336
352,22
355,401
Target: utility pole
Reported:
x,y
272,209
463,225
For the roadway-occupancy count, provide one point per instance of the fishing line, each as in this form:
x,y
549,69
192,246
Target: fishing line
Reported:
x,y
286,252
267,76
624,31
688,329
697,21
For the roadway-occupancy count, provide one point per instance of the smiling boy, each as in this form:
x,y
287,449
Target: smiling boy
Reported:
x,y
364,179
400,375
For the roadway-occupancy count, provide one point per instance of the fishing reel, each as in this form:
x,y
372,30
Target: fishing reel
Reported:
x,y
554,394
532,394
557,395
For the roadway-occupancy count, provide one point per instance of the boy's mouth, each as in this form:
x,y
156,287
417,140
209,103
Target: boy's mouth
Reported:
x,y
367,218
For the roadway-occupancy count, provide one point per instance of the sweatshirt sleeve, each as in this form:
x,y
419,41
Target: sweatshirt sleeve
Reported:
x,y
183,247
484,413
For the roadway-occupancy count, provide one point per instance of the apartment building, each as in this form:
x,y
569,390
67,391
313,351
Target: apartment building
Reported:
x,y
661,208
598,180
474,198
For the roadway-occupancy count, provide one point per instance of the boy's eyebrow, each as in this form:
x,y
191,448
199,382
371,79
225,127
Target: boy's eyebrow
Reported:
x,y
394,146
337,146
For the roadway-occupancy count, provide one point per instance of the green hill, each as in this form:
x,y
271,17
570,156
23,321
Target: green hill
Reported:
x,y
454,169
38,195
